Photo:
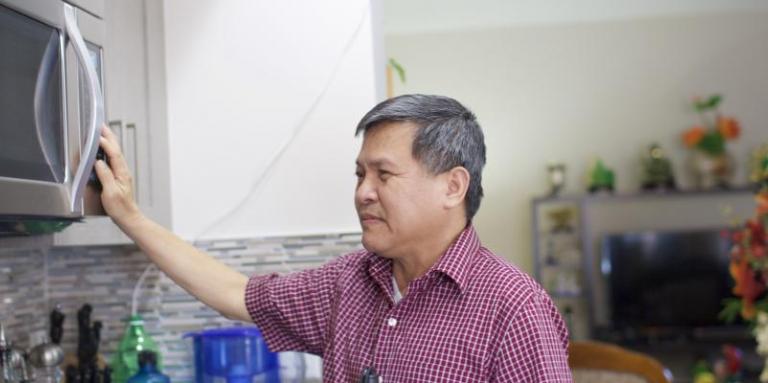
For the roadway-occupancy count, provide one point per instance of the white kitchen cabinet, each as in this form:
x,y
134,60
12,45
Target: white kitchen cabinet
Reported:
x,y
226,93
263,98
126,89
94,7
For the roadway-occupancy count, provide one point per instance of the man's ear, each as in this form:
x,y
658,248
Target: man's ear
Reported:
x,y
457,184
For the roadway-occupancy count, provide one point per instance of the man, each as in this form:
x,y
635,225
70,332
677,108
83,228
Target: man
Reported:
x,y
423,302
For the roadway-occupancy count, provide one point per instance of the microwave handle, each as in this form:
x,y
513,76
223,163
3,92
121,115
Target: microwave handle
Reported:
x,y
96,118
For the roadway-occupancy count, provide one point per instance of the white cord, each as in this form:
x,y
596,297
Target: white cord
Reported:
x,y
46,280
137,289
255,186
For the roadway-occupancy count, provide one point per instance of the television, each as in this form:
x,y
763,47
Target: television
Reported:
x,y
667,283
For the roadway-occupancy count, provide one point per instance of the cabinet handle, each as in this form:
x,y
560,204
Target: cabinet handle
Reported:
x,y
127,136
131,127
116,126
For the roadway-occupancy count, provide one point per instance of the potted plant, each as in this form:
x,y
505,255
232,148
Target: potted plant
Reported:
x,y
749,269
712,165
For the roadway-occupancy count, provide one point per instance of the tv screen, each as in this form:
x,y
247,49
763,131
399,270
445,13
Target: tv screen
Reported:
x,y
666,280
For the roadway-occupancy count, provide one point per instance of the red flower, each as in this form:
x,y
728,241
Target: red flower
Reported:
x,y
737,237
758,251
693,136
728,127
733,358
756,231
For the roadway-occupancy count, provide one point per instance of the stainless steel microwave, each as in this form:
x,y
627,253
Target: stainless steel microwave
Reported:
x,y
51,110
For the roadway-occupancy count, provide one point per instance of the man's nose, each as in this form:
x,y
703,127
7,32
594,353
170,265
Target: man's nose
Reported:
x,y
366,192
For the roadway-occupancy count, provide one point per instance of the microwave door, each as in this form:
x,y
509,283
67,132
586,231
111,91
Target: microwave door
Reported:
x,y
33,178
31,100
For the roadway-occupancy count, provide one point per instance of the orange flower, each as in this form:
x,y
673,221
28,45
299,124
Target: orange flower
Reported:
x,y
747,286
762,203
693,136
747,309
728,127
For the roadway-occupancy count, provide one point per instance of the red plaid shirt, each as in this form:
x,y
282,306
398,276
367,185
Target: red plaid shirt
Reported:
x,y
471,318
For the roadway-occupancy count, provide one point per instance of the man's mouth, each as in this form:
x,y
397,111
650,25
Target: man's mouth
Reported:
x,y
369,218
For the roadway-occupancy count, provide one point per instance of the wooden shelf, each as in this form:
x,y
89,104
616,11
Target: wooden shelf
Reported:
x,y
603,196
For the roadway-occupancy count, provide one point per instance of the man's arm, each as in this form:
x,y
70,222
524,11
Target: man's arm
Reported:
x,y
212,282
534,347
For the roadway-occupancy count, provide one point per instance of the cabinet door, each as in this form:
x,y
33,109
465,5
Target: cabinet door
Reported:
x,y
126,87
125,91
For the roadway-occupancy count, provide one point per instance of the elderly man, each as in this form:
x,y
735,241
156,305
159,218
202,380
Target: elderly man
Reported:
x,y
424,301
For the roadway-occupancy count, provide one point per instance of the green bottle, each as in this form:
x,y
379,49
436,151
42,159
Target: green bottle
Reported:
x,y
125,361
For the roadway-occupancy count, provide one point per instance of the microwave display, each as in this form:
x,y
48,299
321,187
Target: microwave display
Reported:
x,y
32,144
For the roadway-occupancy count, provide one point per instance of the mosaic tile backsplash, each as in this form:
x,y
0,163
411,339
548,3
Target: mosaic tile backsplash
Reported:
x,y
33,281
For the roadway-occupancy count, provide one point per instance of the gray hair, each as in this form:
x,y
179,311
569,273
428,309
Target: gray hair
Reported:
x,y
448,135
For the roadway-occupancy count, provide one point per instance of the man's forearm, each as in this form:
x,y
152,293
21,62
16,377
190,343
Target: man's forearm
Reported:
x,y
209,280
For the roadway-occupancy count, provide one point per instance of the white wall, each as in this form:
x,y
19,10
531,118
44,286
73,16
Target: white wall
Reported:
x,y
419,16
241,78
576,91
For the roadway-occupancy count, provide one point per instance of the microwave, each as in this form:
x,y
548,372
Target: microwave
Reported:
x,y
51,110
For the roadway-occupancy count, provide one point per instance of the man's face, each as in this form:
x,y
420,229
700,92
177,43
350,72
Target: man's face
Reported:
x,y
398,202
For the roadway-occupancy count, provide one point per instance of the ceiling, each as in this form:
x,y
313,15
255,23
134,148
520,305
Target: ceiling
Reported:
x,y
423,16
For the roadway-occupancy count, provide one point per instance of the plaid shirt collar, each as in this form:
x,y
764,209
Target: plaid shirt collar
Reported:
x,y
455,263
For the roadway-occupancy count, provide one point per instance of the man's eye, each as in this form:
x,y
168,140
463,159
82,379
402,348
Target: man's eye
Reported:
x,y
359,174
384,175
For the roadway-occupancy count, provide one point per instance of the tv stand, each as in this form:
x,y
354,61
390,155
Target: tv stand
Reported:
x,y
567,231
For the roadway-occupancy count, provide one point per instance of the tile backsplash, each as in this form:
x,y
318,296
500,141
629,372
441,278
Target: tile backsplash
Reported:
x,y
34,280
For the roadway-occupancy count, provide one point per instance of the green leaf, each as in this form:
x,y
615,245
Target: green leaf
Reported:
x,y
731,310
714,101
398,68
762,305
712,143
711,103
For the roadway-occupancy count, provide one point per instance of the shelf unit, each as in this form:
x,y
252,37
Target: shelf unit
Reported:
x,y
574,281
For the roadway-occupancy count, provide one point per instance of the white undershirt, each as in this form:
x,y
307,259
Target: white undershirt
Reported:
x,y
397,296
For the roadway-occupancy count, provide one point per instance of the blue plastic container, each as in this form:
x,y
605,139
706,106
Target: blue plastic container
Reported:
x,y
233,355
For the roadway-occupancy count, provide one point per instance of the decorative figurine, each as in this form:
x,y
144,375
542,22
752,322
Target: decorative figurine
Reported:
x,y
561,219
556,178
657,170
600,177
759,168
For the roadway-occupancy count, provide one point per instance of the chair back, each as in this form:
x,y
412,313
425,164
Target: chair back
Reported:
x,y
595,362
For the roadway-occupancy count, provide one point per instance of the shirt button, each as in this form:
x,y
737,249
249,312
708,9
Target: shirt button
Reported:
x,y
391,322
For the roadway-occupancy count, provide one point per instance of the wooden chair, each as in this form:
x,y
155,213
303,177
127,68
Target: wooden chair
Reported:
x,y
597,362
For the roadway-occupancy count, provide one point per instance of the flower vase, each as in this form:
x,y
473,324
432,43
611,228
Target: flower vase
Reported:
x,y
712,170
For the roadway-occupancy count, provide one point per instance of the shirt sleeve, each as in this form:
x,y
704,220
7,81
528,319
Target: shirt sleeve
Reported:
x,y
534,347
292,311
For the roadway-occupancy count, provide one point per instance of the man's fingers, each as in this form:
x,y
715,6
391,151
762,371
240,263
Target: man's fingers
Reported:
x,y
105,175
108,133
109,143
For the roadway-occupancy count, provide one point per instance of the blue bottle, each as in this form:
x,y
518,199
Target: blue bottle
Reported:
x,y
148,372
